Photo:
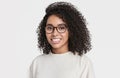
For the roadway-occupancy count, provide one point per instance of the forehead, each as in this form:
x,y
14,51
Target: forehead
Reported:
x,y
55,20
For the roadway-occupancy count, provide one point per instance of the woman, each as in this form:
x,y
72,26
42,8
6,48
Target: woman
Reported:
x,y
64,39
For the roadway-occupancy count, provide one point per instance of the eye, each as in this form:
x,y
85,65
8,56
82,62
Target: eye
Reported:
x,y
49,28
62,27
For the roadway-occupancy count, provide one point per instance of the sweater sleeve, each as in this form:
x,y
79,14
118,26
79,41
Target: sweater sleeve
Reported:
x,y
32,68
86,68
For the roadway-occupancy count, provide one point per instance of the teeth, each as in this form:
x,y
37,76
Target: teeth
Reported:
x,y
56,40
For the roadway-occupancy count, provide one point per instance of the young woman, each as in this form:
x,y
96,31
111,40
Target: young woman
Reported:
x,y
64,39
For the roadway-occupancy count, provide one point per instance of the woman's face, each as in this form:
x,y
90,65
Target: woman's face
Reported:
x,y
57,33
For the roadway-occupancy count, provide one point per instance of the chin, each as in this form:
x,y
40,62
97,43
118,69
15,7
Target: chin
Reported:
x,y
55,46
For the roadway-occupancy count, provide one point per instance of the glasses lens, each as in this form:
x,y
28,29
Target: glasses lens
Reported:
x,y
49,29
61,28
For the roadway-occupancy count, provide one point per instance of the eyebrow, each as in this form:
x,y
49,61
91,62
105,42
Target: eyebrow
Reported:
x,y
57,25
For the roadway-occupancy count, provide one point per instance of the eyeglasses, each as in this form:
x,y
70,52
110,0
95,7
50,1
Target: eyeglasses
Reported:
x,y
61,28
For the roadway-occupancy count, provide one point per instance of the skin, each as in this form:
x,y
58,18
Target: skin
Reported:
x,y
58,41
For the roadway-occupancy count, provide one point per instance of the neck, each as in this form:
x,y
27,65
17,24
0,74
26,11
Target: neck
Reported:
x,y
59,51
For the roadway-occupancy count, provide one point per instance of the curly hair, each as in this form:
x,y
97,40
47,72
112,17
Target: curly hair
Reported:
x,y
79,36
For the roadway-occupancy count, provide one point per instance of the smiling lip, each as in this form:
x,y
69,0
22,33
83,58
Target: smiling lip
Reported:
x,y
56,40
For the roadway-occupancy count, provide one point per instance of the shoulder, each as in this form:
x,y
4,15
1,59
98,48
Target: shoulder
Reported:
x,y
36,61
35,64
38,58
85,58
85,61
86,67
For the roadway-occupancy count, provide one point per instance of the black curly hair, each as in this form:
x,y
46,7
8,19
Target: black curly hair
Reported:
x,y
79,37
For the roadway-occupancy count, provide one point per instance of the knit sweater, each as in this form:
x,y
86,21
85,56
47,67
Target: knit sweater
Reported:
x,y
65,65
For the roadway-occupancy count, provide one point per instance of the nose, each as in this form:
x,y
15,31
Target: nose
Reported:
x,y
55,32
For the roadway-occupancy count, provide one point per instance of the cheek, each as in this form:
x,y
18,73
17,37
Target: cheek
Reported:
x,y
48,36
66,36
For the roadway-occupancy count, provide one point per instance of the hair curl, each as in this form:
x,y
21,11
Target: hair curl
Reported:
x,y
79,37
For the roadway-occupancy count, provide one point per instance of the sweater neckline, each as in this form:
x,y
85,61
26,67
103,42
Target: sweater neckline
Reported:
x,y
62,54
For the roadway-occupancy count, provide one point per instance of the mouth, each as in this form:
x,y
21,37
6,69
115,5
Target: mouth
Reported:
x,y
56,40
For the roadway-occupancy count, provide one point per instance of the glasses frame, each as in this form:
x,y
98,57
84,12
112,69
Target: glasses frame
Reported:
x,y
57,28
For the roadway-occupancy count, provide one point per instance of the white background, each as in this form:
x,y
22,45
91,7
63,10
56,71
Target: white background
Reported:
x,y
19,20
